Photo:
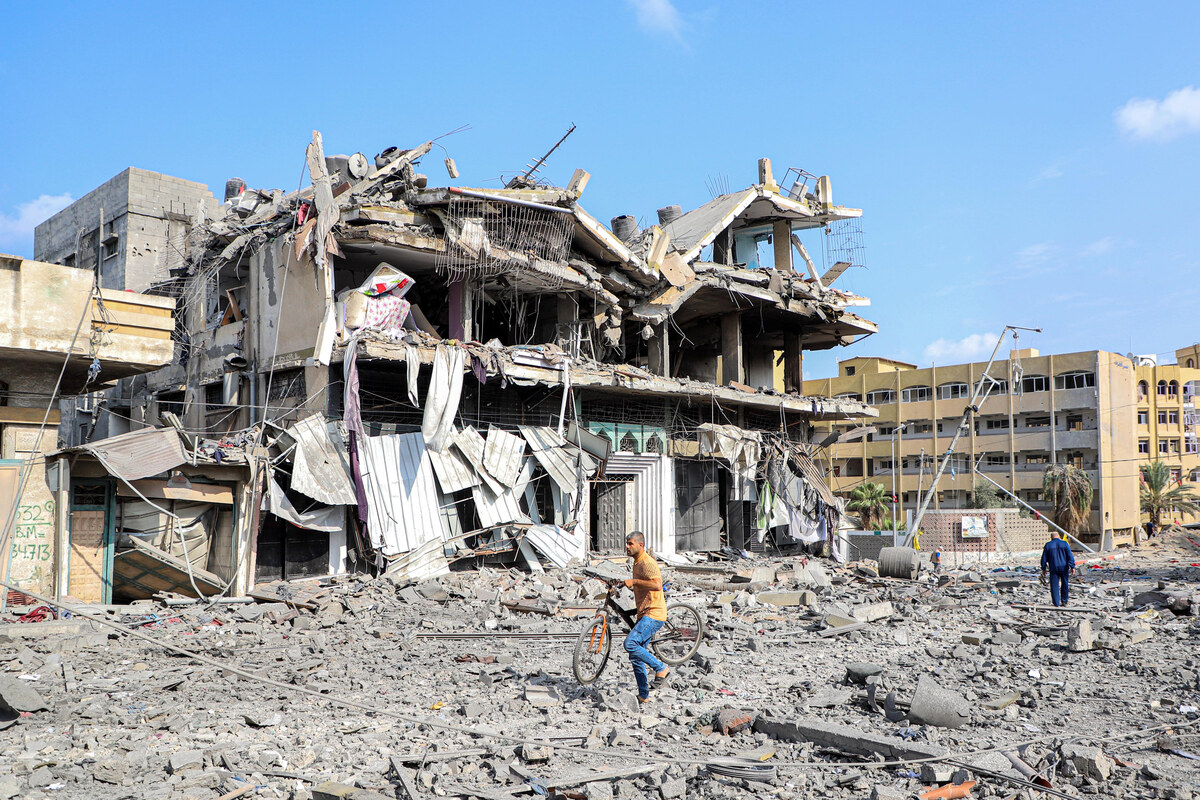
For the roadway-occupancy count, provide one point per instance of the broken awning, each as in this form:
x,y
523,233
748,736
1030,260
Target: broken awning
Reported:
x,y
329,519
141,453
320,466
403,508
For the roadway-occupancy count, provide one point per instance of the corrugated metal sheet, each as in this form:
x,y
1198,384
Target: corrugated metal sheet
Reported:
x,y
654,496
427,561
541,438
403,499
558,544
320,466
141,453
497,509
502,455
471,444
452,470
556,456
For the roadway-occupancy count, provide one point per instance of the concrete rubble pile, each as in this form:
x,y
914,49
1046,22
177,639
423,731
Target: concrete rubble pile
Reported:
x,y
814,680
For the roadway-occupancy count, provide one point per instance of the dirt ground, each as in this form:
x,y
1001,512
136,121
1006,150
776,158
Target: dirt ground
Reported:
x,y
817,680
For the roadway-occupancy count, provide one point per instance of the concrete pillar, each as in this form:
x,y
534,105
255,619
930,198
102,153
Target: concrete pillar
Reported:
x,y
732,355
660,350
567,316
793,363
781,241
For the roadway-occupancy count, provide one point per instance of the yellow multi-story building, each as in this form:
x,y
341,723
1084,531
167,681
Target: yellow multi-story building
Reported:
x,y
1167,421
1075,408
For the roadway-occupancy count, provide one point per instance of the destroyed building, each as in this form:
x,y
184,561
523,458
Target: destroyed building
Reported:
x,y
373,372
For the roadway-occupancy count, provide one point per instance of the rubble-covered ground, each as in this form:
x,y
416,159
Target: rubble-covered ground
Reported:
x,y
370,690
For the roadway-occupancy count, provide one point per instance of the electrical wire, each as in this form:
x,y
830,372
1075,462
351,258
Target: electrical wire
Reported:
x,y
35,452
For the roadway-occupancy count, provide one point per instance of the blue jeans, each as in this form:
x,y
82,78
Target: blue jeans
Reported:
x,y
1059,589
639,656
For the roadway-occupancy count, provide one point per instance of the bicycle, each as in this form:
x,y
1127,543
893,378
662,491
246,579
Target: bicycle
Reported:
x,y
675,642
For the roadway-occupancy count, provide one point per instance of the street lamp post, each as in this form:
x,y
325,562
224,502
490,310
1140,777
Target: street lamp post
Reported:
x,y
895,433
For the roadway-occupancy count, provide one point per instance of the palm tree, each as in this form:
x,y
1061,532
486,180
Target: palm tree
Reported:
x,y
1158,496
1069,491
870,502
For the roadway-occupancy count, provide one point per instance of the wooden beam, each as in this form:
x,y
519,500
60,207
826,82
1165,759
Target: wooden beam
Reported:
x,y
199,492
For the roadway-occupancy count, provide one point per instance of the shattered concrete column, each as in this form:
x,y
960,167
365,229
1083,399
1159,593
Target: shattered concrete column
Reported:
x,y
660,350
732,356
781,241
793,363
567,323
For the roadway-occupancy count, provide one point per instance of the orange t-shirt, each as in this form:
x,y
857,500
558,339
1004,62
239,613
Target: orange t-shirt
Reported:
x,y
651,603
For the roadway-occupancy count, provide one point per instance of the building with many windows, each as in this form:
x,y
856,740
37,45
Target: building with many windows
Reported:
x,y
1075,408
1166,416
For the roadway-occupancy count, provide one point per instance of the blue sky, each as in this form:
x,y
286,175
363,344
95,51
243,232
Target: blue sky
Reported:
x,y
1025,163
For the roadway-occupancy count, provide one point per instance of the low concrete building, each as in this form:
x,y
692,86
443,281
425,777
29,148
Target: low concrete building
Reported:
x,y
52,321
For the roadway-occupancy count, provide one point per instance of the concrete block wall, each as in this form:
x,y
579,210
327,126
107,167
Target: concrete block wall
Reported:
x,y
1008,532
139,206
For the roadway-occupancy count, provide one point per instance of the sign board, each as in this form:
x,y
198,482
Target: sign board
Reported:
x,y
974,528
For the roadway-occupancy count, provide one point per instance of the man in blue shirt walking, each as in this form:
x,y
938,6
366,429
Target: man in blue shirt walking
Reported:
x,y
1059,561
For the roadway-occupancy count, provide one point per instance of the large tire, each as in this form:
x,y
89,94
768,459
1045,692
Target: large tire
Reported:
x,y
680,637
899,562
592,649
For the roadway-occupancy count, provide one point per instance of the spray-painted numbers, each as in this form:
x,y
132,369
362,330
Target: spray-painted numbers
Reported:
x,y
31,551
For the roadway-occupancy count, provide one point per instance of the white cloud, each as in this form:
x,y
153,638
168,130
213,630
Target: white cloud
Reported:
x,y
658,16
1175,115
17,230
1098,247
975,347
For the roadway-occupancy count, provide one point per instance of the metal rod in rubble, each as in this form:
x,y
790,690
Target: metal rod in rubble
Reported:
x,y
971,408
1036,513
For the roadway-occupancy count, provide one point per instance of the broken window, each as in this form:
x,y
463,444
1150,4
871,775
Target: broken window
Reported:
x,y
1172,446
1037,458
1035,383
1037,422
849,371
916,394
1074,423
1143,445
1075,380
849,396
1143,389
1162,388
997,459
950,391
1173,389
881,397
997,424
1143,418
1190,445
1172,417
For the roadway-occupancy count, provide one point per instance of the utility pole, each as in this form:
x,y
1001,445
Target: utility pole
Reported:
x,y
972,408
895,433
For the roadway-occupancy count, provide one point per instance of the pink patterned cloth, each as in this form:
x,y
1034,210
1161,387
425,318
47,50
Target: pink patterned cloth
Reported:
x,y
386,312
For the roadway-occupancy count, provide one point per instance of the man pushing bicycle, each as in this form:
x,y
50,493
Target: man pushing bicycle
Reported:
x,y
647,587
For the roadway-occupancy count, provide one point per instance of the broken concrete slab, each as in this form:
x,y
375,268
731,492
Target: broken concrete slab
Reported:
x,y
873,612
1080,638
843,737
933,704
18,696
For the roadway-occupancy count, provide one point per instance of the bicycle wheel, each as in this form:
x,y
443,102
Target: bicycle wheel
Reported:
x,y
591,651
680,636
